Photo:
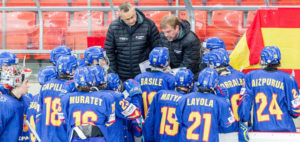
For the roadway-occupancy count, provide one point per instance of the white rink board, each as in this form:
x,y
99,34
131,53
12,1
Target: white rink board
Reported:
x,y
262,137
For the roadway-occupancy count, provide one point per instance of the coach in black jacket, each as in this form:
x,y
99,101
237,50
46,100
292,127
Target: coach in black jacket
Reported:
x,y
183,44
129,40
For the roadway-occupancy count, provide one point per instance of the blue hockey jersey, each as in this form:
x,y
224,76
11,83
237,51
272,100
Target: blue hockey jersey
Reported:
x,y
33,116
3,90
152,82
200,115
272,95
96,108
160,123
233,82
26,100
52,128
126,112
11,118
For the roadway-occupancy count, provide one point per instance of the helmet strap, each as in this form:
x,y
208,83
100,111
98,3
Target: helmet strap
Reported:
x,y
183,89
223,71
271,67
205,90
157,69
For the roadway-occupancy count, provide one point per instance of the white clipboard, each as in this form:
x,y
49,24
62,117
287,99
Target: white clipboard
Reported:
x,y
144,65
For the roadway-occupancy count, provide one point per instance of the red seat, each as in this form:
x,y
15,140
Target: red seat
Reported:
x,y
226,24
55,26
119,2
20,3
156,2
227,18
85,3
53,2
156,16
194,2
78,32
19,26
253,2
221,2
201,22
228,35
110,18
288,2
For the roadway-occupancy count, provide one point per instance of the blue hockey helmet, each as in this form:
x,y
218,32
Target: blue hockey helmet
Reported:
x,y
208,78
46,74
81,63
225,56
8,59
65,65
184,78
205,58
99,73
213,43
159,57
83,77
94,53
270,55
113,81
216,58
57,52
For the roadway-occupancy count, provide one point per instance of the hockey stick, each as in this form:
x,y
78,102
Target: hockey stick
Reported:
x,y
141,125
33,131
242,68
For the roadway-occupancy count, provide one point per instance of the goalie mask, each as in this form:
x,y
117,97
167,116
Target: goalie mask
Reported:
x,y
14,76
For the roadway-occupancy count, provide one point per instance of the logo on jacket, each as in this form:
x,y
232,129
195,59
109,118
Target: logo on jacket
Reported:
x,y
177,51
123,38
140,37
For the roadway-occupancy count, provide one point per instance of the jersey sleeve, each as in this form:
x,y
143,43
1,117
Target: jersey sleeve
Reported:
x,y
148,128
223,92
6,114
246,101
125,109
226,117
129,110
135,128
137,78
64,105
110,111
180,108
70,86
136,100
171,83
292,97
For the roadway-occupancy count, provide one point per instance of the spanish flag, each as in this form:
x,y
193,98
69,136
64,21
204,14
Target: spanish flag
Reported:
x,y
271,27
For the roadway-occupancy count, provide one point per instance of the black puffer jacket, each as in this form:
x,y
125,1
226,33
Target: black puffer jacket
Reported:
x,y
126,46
185,49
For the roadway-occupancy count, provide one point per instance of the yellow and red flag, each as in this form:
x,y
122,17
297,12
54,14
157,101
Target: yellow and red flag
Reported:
x,y
271,27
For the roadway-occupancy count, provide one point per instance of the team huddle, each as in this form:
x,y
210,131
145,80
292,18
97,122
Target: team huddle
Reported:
x,y
83,100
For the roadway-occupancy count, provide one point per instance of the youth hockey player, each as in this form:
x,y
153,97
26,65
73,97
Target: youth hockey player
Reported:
x,y
160,124
203,106
155,79
272,93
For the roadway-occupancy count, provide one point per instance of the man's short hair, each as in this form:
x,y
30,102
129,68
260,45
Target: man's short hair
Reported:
x,y
171,20
125,7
